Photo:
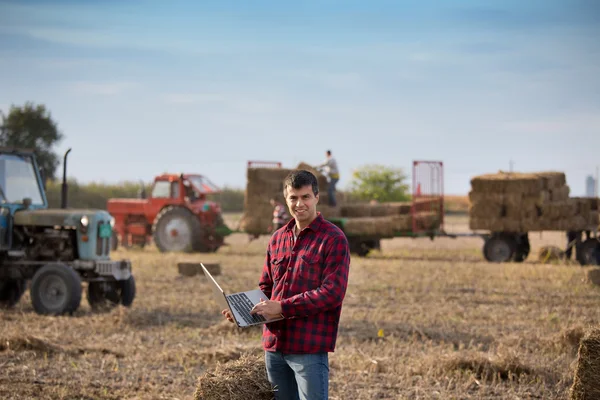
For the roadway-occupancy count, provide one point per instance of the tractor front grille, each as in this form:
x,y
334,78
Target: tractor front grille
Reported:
x,y
102,244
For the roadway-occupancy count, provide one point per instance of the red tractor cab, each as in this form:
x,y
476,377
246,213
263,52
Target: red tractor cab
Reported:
x,y
177,215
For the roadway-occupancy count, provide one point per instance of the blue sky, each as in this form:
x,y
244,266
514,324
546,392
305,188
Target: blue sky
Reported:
x,y
143,87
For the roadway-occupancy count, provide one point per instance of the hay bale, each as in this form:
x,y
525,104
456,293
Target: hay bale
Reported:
x,y
402,223
552,179
427,220
192,269
488,224
586,384
517,182
328,211
486,210
489,183
242,379
593,276
370,226
356,210
485,197
560,193
593,219
550,254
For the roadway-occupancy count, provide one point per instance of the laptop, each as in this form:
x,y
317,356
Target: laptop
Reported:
x,y
239,304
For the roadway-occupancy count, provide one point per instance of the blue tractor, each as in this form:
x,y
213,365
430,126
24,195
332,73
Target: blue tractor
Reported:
x,y
54,250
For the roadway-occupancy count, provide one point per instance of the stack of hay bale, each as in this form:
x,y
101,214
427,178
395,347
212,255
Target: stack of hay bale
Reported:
x,y
361,218
386,219
526,202
262,184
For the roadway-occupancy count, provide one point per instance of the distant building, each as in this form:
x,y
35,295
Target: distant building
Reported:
x,y
590,186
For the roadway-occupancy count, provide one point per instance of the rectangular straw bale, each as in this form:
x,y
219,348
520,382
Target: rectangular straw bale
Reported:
x,y
532,224
552,179
360,226
559,209
370,226
381,210
574,223
583,206
594,203
266,174
594,219
476,198
560,193
489,224
428,220
486,210
254,225
400,207
511,225
356,210
521,211
402,223
489,183
328,211
527,184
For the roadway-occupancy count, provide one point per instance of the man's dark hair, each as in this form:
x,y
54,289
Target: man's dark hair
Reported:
x,y
328,152
300,178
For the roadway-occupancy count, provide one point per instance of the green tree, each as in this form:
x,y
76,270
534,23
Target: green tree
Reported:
x,y
32,127
378,182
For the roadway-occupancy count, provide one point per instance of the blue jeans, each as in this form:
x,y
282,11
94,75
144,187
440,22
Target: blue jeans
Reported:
x,y
331,191
298,376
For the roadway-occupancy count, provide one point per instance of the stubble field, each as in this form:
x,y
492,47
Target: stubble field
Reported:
x,y
421,319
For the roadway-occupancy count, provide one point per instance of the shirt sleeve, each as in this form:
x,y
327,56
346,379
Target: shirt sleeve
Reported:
x,y
266,281
332,290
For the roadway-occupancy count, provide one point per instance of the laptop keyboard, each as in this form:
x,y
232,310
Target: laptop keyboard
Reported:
x,y
243,305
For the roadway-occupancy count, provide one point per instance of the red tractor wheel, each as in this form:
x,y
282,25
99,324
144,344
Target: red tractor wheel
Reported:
x,y
177,229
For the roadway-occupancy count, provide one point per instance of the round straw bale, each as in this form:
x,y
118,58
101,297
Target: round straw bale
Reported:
x,y
242,379
586,384
550,254
593,276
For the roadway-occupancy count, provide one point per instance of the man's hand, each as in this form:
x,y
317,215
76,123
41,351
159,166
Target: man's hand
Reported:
x,y
269,309
227,315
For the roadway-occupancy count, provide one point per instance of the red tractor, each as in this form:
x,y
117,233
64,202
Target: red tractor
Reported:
x,y
176,215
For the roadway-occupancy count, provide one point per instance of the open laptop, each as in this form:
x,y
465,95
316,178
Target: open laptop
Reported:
x,y
239,304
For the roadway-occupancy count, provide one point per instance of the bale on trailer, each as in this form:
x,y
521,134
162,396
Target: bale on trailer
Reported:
x,y
512,204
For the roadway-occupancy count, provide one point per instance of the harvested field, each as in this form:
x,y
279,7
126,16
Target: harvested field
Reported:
x,y
422,319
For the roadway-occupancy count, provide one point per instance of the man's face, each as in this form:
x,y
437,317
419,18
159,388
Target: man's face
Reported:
x,y
302,203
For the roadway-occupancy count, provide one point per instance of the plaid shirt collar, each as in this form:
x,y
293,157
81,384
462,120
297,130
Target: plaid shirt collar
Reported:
x,y
314,226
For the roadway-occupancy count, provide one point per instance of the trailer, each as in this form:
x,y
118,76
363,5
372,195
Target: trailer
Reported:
x,y
427,197
427,201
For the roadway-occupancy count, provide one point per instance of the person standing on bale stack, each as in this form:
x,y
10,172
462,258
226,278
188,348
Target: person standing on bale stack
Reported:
x,y
333,176
305,276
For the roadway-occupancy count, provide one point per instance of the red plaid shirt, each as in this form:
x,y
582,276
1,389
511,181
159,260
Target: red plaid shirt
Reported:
x,y
309,278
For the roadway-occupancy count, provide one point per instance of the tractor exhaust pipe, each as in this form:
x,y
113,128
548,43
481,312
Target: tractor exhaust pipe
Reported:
x,y
63,197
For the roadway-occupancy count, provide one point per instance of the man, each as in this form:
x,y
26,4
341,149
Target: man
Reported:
x,y
333,176
305,277
280,216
